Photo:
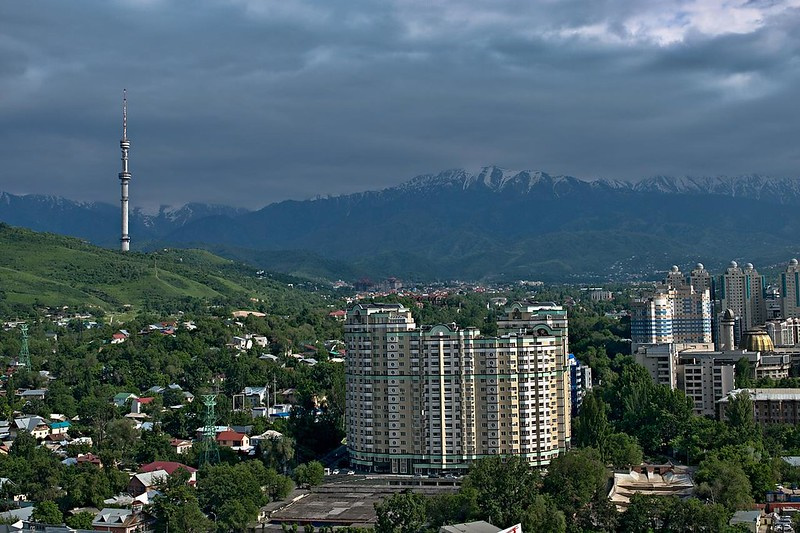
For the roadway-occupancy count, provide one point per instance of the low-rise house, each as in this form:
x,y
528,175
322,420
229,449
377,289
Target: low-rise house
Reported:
x,y
339,315
217,430
120,337
35,425
255,396
17,517
58,429
233,439
32,394
170,467
180,446
750,519
241,343
123,398
145,481
7,487
137,406
122,521
269,434
90,458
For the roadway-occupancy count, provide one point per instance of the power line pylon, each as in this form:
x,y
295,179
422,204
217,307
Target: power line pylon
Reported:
x,y
210,448
24,353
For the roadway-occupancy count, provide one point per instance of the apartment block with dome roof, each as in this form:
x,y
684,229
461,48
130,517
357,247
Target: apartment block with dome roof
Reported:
x,y
742,291
790,290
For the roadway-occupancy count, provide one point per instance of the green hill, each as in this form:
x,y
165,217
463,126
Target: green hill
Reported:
x,y
53,270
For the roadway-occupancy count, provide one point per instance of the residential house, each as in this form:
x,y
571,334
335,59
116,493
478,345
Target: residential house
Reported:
x,y
180,446
137,406
122,521
90,458
120,337
749,519
59,429
255,396
122,398
8,487
339,314
170,467
32,394
233,439
269,434
35,425
145,481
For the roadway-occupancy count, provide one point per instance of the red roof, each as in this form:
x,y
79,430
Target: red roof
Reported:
x,y
230,435
338,313
144,400
168,466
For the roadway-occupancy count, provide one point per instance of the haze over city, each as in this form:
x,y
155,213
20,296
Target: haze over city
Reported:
x,y
246,102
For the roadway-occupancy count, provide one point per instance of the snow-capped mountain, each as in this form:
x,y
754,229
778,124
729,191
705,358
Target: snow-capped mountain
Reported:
x,y
490,223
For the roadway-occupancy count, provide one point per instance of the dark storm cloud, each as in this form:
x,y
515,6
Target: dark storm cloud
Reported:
x,y
246,102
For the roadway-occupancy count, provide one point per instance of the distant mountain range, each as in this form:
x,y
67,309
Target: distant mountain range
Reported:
x,y
494,224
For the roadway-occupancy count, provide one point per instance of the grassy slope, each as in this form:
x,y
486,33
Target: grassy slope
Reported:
x,y
56,270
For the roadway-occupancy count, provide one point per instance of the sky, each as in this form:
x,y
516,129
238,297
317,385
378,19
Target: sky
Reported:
x,y
249,102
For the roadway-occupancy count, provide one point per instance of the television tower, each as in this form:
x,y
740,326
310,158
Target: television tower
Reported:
x,y
125,176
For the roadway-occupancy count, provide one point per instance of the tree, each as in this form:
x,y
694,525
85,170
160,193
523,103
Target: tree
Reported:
x,y
504,488
622,450
724,482
592,427
575,479
277,452
47,512
310,474
403,512
177,507
743,373
443,509
82,520
543,515
740,416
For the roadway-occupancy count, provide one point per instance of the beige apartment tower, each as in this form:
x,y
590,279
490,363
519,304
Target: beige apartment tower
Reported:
x,y
434,399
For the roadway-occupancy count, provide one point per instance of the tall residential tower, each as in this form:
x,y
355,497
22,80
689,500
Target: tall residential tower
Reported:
x,y
432,399
125,175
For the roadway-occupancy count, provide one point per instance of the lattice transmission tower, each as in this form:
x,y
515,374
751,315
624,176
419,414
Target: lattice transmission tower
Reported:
x,y
210,448
24,353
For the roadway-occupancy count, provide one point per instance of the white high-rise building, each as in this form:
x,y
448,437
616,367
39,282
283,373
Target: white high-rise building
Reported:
x,y
422,399
790,290
742,291
678,311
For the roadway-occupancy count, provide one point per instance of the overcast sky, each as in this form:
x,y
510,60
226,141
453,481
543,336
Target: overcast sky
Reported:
x,y
248,102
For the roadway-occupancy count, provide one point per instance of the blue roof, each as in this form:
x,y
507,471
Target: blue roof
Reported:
x,y
56,425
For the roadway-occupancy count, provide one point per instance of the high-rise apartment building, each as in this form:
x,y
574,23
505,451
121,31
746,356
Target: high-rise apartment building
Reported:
x,y
742,291
422,399
790,290
678,311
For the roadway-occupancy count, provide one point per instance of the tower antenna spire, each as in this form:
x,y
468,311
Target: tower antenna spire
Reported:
x,y
124,114
125,175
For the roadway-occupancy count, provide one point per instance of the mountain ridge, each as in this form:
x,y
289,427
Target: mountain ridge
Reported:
x,y
494,223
